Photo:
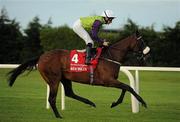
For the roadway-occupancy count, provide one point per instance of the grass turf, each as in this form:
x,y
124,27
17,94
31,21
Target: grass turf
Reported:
x,y
25,101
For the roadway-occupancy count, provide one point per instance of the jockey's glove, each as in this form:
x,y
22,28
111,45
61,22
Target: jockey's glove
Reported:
x,y
105,43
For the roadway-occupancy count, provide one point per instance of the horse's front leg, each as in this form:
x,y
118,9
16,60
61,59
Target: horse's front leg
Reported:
x,y
117,84
120,100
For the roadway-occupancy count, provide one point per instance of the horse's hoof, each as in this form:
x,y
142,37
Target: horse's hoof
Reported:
x,y
113,104
145,105
92,104
59,117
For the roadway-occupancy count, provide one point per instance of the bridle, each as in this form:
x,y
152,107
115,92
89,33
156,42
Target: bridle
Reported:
x,y
143,49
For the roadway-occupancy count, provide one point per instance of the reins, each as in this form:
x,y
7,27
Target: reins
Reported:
x,y
107,59
111,57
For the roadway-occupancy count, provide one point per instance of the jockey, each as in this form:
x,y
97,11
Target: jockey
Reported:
x,y
88,27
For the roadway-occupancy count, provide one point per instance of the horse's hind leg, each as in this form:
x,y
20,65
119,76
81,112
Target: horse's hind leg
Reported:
x,y
52,99
53,83
69,92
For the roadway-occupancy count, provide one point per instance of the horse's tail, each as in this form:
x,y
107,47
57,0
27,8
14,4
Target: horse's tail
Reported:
x,y
28,65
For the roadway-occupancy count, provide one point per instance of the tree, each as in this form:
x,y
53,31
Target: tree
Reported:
x,y
129,28
171,44
32,47
10,39
61,37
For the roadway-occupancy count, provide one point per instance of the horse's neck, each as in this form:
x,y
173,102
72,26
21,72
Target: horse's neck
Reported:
x,y
119,50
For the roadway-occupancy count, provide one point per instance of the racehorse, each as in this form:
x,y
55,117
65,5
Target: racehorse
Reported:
x,y
54,68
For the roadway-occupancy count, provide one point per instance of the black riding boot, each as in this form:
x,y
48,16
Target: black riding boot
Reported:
x,y
88,54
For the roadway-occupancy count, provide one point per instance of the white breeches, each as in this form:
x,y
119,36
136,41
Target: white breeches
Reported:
x,y
81,32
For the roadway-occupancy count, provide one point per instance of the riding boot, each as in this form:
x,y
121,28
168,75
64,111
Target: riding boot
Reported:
x,y
88,54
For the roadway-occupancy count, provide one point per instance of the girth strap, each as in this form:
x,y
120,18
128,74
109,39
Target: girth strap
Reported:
x,y
91,74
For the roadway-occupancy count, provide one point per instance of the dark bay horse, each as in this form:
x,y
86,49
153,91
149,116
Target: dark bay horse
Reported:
x,y
54,68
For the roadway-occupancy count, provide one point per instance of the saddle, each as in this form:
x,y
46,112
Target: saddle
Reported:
x,y
77,60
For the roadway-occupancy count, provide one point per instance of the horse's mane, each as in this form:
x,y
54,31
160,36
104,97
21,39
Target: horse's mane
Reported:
x,y
120,40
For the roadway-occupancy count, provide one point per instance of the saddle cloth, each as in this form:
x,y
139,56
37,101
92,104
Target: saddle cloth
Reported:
x,y
77,60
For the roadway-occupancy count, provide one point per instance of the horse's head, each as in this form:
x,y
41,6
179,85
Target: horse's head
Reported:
x,y
134,43
140,48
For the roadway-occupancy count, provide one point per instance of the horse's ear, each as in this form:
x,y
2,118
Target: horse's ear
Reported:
x,y
137,33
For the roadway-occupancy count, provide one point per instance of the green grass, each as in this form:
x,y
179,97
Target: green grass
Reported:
x,y
25,101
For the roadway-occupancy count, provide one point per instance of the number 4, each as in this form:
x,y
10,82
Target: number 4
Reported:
x,y
75,58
